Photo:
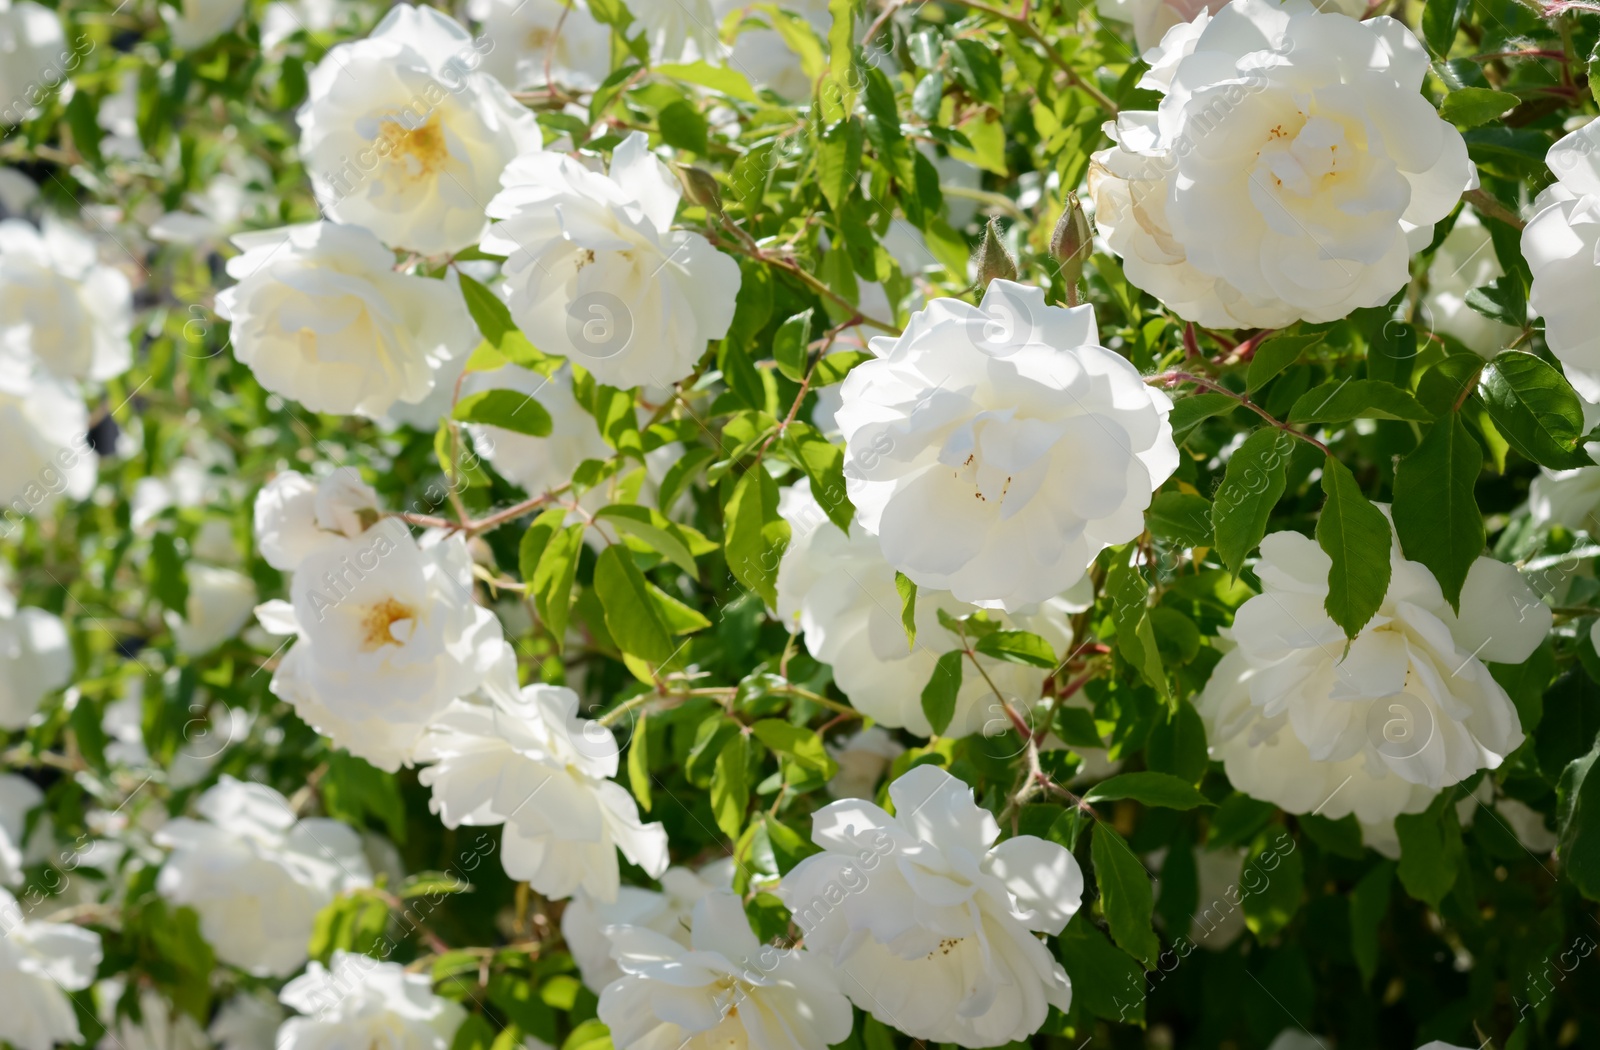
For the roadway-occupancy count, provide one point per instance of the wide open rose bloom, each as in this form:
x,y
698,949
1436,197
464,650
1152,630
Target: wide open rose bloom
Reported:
x,y
1379,731
594,268
320,316
61,309
357,1001
1289,173
995,450
1562,245
931,926
41,965
404,132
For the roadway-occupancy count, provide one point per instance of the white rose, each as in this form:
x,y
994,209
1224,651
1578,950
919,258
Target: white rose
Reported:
x,y
1292,167
539,38
537,464
361,1002
256,875
594,267
680,30
296,515
35,661
195,23
529,762
1218,920
1520,819
41,964
388,633
61,308
1560,243
936,933
995,450
33,57
1377,731
220,604
18,797
404,134
841,593
667,912
1465,260
44,430
764,56
725,990
863,758
320,316
247,1021
160,1028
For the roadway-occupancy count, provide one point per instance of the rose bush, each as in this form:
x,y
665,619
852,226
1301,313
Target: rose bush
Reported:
x,y
639,525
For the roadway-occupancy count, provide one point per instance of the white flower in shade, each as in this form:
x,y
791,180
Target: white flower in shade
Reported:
x,y
1465,260
405,134
221,601
1376,731
61,309
256,874
863,757
1290,171
529,762
995,450
247,1021
1218,918
44,430
35,660
538,464
594,266
388,635
1570,498
1562,245
841,593
680,30
361,1002
33,58
18,797
195,23
932,927
725,990
666,911
535,39
1520,819
160,1027
320,316
1152,18
296,515
41,964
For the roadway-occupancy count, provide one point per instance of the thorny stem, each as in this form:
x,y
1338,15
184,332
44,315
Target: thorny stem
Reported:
x,y
794,270
1174,378
1491,208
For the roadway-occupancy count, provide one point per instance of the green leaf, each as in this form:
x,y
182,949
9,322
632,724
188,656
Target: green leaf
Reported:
x,y
1470,106
1435,512
939,695
654,529
839,161
1182,517
1151,789
589,1035
1018,647
1369,902
494,322
536,539
1129,594
823,463
1357,539
1075,726
1125,895
1105,982
908,607
1346,399
553,579
1189,412
798,743
1430,850
1535,409
1254,480
730,785
508,409
169,583
838,90
1577,807
639,762
1439,21
1277,353
683,127
834,367
791,345
1281,865
726,79
1178,745
755,535
630,608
